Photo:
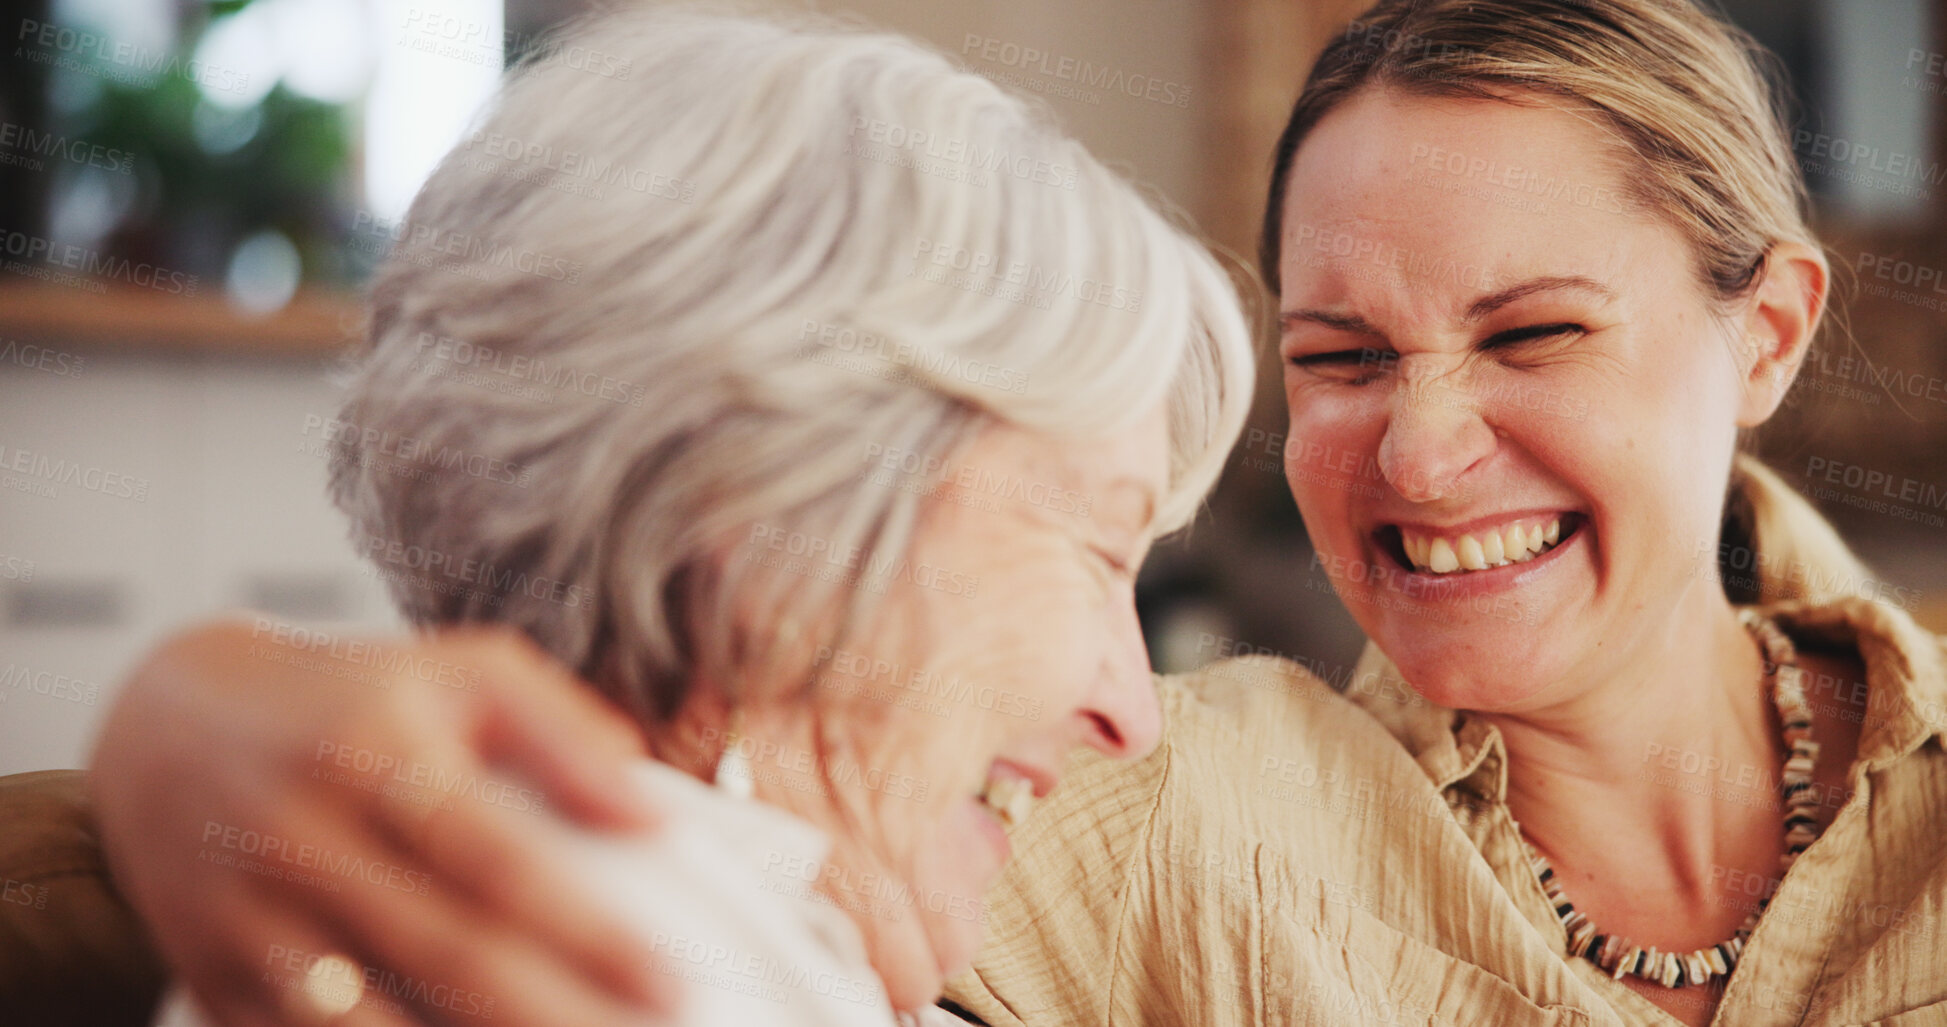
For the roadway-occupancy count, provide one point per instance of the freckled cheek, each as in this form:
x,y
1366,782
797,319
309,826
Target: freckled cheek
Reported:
x,y
1331,462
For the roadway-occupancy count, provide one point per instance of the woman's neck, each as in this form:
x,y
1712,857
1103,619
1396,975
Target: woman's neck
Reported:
x,y
1671,751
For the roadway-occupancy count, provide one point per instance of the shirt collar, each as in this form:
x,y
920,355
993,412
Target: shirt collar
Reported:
x,y
1906,678
1450,746
1906,698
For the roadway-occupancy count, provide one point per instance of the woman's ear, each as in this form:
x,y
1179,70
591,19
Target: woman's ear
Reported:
x,y
1779,323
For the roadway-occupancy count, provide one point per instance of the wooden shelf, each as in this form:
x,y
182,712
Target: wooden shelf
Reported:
x,y
315,323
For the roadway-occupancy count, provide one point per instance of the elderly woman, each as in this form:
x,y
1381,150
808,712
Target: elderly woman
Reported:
x,y
847,536
1540,265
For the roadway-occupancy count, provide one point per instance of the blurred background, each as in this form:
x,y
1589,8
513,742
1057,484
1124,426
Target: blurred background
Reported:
x,y
193,191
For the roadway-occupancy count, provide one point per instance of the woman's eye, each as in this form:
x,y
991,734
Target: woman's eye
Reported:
x,y
1533,333
1350,366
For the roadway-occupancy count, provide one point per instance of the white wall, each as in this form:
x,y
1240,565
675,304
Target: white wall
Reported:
x,y
200,501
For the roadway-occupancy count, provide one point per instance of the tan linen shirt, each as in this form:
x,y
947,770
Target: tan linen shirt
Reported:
x,y
1292,855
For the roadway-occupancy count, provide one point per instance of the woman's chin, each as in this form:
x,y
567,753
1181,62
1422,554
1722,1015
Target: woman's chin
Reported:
x,y
972,860
1471,679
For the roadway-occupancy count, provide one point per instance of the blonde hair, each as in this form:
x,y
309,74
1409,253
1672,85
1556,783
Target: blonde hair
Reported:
x,y
695,220
1686,99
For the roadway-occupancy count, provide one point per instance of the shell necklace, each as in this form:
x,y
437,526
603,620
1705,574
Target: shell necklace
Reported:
x,y
1618,955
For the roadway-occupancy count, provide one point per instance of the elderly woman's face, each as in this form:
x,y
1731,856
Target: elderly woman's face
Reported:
x,y
1512,407
1008,639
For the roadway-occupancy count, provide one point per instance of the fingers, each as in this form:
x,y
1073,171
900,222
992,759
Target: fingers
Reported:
x,y
272,970
573,743
254,742
500,861
449,965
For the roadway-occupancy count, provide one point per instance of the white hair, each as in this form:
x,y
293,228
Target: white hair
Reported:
x,y
608,339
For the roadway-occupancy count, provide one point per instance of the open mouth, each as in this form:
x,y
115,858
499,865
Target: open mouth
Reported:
x,y
1485,548
1008,795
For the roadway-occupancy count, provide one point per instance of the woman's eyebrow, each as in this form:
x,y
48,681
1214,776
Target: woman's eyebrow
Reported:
x,y
1479,309
1343,322
1548,283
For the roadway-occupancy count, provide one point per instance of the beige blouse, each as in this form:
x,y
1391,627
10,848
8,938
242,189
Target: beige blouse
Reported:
x,y
1293,855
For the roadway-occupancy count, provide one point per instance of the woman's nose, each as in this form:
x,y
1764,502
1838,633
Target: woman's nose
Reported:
x,y
1434,436
1122,718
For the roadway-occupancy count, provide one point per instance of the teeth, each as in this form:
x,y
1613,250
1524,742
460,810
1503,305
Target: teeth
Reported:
x,y
1515,543
1011,798
1440,558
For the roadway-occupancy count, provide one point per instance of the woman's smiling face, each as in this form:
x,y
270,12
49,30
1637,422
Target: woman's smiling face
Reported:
x,y
1494,360
1007,638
